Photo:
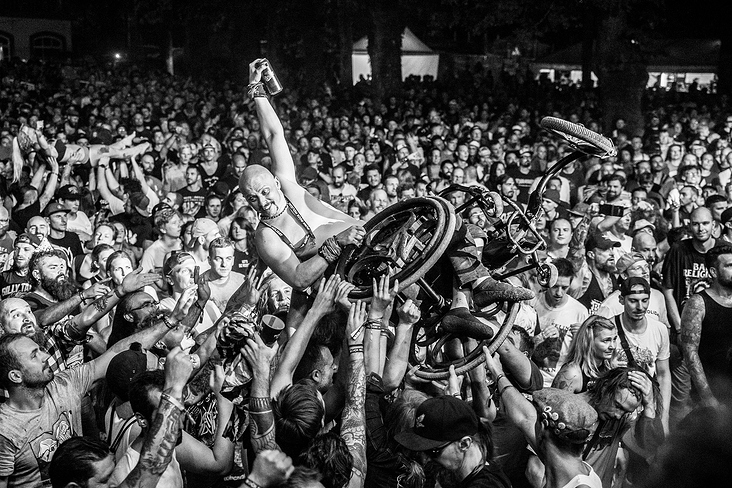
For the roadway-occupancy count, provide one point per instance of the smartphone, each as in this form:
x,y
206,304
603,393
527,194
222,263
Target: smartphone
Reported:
x,y
39,125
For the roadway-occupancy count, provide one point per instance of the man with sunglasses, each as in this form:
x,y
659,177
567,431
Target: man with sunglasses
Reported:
x,y
449,433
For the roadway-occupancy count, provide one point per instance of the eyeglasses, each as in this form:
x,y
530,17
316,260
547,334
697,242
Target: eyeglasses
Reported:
x,y
436,452
149,303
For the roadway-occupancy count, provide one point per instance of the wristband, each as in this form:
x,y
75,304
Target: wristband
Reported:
x,y
176,403
355,349
250,483
169,324
256,90
81,296
330,250
498,378
373,324
118,294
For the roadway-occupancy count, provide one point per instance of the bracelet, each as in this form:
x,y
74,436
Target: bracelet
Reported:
x,y
54,173
355,349
330,250
373,324
498,378
256,90
81,296
456,395
168,323
176,403
118,294
250,483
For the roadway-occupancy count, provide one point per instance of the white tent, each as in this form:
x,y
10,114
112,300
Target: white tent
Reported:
x,y
417,58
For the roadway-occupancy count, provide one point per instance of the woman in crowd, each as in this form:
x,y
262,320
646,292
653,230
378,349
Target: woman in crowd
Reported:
x,y
588,355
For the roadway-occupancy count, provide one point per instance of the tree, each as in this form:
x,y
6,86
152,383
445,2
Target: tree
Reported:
x,y
386,25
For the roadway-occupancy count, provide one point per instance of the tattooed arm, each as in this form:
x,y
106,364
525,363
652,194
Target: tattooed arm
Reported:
x,y
157,449
691,324
353,429
261,419
568,378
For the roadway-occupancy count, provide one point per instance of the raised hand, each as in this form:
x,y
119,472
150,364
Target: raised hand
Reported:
x,y
342,292
97,290
178,369
408,313
138,280
183,305
253,287
453,383
258,355
492,364
383,295
356,321
255,70
325,300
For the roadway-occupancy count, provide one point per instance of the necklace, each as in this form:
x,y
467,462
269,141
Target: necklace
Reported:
x,y
261,217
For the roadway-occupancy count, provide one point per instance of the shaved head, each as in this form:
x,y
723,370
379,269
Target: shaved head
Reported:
x,y
262,191
702,213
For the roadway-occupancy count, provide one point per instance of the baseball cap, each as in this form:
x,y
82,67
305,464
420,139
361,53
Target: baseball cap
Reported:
x,y
567,415
627,260
123,368
475,144
309,173
141,203
525,150
202,227
69,192
174,260
641,224
439,421
598,241
31,239
726,215
53,208
634,285
553,195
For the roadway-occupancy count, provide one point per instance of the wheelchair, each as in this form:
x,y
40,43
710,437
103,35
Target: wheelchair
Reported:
x,y
408,241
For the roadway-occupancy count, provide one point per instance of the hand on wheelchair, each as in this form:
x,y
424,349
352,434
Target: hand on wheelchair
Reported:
x,y
383,296
325,299
409,313
353,235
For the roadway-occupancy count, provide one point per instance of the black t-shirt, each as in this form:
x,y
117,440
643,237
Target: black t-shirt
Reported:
x,y
193,202
37,302
242,260
683,267
70,241
13,285
21,217
523,181
209,180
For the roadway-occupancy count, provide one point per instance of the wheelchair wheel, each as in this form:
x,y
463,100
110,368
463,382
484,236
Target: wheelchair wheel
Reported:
x,y
434,370
406,239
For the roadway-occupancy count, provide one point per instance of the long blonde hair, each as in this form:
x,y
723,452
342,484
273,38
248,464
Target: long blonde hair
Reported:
x,y
580,351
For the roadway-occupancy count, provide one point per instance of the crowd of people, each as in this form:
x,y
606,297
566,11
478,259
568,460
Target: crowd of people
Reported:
x,y
169,315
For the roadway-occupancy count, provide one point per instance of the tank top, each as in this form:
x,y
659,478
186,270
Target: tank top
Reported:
x,y
715,344
591,480
307,245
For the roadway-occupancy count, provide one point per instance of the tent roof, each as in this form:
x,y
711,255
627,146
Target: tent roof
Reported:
x,y
690,55
410,44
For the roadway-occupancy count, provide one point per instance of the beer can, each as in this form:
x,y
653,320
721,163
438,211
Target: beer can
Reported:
x,y
269,78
